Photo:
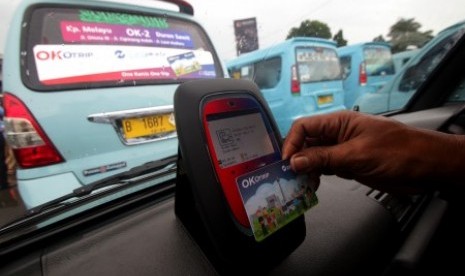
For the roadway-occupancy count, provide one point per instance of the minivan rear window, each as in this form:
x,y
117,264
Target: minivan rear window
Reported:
x,y
378,60
78,47
317,64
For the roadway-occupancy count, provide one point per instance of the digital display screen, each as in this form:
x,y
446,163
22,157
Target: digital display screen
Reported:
x,y
239,139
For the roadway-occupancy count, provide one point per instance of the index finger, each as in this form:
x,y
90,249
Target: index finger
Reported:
x,y
329,126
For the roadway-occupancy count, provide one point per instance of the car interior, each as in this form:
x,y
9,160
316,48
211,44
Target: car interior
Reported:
x,y
353,229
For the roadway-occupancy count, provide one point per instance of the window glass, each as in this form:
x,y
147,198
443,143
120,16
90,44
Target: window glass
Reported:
x,y
417,73
79,47
346,65
87,89
317,64
378,61
244,72
266,73
458,95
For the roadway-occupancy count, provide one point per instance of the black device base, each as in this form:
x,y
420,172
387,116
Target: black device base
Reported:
x,y
241,256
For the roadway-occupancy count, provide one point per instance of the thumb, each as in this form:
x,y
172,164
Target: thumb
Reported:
x,y
300,163
316,159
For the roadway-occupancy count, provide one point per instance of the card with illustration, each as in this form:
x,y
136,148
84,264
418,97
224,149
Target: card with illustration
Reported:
x,y
273,196
184,64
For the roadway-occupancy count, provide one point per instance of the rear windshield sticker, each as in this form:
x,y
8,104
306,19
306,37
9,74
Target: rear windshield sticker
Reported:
x,y
75,31
184,63
123,18
67,64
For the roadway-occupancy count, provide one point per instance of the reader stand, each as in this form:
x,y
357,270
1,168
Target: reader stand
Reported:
x,y
200,203
186,211
242,254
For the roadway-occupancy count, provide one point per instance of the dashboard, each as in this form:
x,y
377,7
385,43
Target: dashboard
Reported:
x,y
353,229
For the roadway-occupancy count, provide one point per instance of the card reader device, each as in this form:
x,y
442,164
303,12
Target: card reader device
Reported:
x,y
236,197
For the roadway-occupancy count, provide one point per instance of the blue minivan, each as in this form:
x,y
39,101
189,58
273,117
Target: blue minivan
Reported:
x,y
396,93
90,85
366,68
298,77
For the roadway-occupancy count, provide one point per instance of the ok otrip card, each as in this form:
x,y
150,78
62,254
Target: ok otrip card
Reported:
x,y
273,196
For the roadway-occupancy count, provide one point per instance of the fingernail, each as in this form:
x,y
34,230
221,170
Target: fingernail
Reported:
x,y
300,163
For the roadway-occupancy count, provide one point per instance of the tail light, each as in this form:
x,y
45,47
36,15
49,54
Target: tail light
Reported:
x,y
295,83
30,144
362,79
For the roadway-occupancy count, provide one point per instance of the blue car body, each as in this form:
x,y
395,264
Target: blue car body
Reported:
x,y
93,82
401,58
298,77
366,68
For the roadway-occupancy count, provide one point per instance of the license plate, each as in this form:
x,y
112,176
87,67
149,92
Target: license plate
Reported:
x,y
154,125
325,99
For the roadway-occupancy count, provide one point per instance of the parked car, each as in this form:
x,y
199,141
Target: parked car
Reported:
x,y
399,90
89,89
366,68
298,77
401,58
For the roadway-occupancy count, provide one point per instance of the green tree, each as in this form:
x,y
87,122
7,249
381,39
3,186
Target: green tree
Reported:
x,y
406,32
312,28
339,38
379,38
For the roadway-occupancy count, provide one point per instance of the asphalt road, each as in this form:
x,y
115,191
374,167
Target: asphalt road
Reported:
x,y
11,205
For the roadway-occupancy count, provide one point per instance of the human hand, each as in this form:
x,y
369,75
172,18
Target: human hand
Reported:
x,y
373,150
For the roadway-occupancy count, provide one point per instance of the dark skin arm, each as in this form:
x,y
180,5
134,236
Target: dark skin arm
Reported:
x,y
375,150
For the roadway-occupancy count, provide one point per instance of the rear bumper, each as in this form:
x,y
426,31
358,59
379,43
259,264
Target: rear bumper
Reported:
x,y
37,191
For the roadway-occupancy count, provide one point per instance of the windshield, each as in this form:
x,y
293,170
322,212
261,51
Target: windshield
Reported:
x,y
87,86
378,60
421,67
81,47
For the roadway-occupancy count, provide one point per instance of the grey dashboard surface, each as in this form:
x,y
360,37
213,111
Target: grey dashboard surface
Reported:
x,y
343,231
349,231
430,118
